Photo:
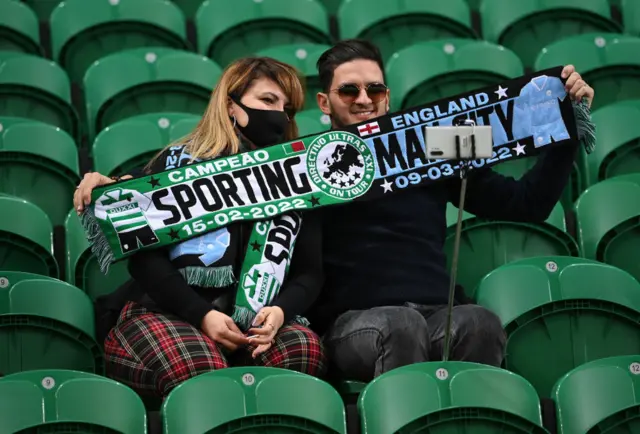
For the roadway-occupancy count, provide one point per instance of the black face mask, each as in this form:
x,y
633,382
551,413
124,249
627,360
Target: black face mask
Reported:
x,y
265,127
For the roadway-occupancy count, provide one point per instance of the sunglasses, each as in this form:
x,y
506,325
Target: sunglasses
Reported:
x,y
350,92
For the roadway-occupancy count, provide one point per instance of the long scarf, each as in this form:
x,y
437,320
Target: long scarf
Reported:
x,y
361,162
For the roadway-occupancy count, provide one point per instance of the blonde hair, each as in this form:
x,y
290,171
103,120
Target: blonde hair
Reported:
x,y
215,134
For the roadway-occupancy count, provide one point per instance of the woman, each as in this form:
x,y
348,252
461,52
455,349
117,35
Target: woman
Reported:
x,y
177,321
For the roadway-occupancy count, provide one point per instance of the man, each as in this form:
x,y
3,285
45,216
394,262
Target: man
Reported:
x,y
384,302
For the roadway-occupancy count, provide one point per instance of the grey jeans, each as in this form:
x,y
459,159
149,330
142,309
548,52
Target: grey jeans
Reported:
x,y
362,344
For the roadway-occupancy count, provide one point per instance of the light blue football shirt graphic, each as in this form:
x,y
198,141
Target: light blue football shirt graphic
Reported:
x,y
537,110
210,247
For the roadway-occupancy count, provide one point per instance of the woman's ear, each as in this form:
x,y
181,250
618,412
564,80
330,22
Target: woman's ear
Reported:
x,y
230,107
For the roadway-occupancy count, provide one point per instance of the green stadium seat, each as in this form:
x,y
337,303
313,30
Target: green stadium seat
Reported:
x,y
486,245
83,32
133,142
577,180
449,397
43,8
189,7
618,141
303,57
36,88
608,223
147,80
39,163
332,6
474,5
66,401
429,71
560,312
608,62
26,238
312,122
400,24
46,324
527,26
253,400
631,16
18,28
230,30
82,268
602,396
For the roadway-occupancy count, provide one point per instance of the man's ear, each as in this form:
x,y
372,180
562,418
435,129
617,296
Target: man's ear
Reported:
x,y
388,101
323,103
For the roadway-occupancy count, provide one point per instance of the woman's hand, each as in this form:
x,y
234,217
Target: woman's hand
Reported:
x,y
221,329
578,89
91,180
265,326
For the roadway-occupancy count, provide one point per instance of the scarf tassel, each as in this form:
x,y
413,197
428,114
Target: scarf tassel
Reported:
x,y
97,240
209,277
586,127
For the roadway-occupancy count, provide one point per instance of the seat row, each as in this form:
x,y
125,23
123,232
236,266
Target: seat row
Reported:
x,y
148,80
83,32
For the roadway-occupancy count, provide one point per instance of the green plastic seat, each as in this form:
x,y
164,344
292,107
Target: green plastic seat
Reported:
x,y
608,224
39,163
449,397
36,88
66,401
147,80
189,7
400,24
612,402
527,26
26,238
332,6
560,312
46,324
82,268
253,400
42,8
230,30
83,32
486,245
312,122
133,142
19,29
608,62
303,57
618,141
631,16
429,71
577,181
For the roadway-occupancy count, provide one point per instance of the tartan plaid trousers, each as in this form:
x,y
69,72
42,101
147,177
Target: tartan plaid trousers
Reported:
x,y
153,353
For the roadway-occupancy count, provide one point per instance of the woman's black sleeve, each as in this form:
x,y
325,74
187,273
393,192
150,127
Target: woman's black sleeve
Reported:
x,y
306,275
164,284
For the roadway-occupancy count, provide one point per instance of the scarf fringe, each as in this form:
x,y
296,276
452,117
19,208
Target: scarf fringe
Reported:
x,y
217,277
97,240
243,317
586,127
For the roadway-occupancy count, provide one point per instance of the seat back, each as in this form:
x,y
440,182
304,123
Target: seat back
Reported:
x,y
39,163
630,16
83,32
18,28
68,401
312,122
486,245
526,27
400,24
147,80
253,399
36,88
430,71
560,312
47,323
607,61
227,31
455,397
611,404
26,238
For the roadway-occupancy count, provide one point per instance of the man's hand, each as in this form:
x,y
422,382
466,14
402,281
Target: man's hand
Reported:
x,y
578,89
271,319
91,180
221,329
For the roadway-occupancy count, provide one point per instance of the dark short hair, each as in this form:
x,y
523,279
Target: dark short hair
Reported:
x,y
343,52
